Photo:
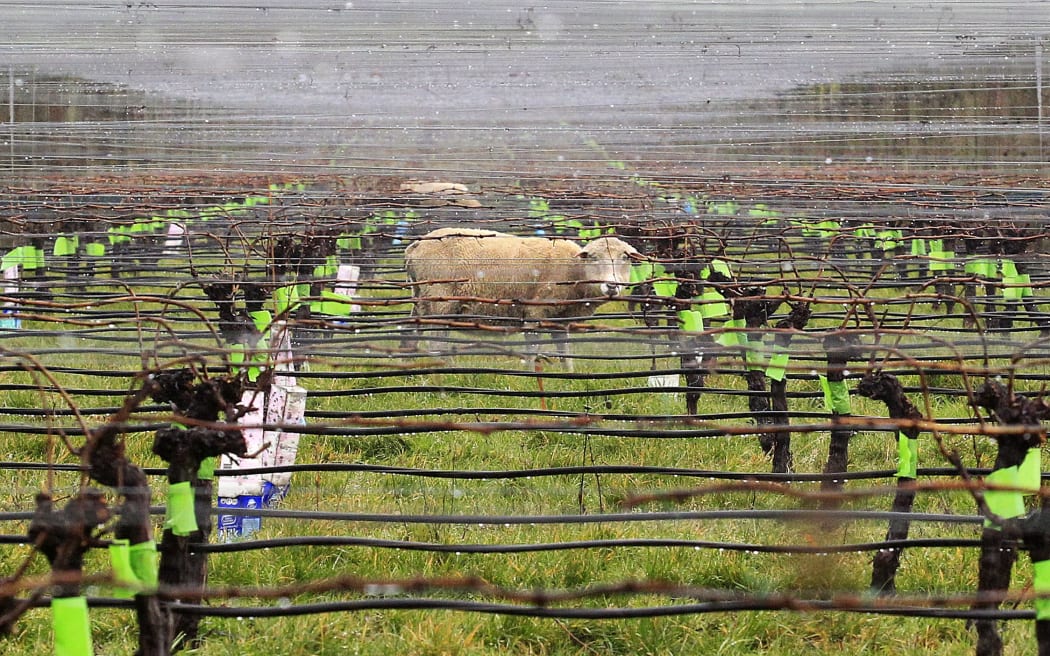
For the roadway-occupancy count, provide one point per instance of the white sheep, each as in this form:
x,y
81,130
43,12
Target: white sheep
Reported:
x,y
464,272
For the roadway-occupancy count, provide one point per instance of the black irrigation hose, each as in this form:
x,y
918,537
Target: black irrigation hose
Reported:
x,y
602,518
475,426
405,545
590,613
604,613
473,474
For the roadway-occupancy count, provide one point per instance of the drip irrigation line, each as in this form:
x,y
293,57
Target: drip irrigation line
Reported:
x,y
536,520
77,431
587,613
605,613
529,520
473,474
406,545
81,411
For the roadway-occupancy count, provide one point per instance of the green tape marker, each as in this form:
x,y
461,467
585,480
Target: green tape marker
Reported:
x,y
64,246
727,208
239,356
123,574
714,305
941,260
31,260
1017,287
828,228
328,269
181,518
1041,586
206,471
261,319
1030,471
691,320
733,338
716,266
864,232
982,267
777,368
1025,280
14,257
754,359
1004,503
349,243
332,304
665,288
719,266
144,561
887,239
285,298
907,456
593,232
836,396
641,272
69,619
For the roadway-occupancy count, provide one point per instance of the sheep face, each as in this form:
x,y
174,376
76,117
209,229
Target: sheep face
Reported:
x,y
607,261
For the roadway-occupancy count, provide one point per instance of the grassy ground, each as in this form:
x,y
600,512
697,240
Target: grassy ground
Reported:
x,y
384,631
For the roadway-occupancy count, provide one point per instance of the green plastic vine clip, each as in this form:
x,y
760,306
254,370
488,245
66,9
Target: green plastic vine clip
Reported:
x,y
1041,587
69,619
1004,503
777,368
907,456
836,396
123,574
691,321
144,562
728,338
180,517
1030,471
714,304
206,471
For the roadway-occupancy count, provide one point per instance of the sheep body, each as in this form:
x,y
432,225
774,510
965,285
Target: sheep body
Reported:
x,y
466,271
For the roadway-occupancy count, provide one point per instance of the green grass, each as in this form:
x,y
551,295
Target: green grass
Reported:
x,y
941,571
